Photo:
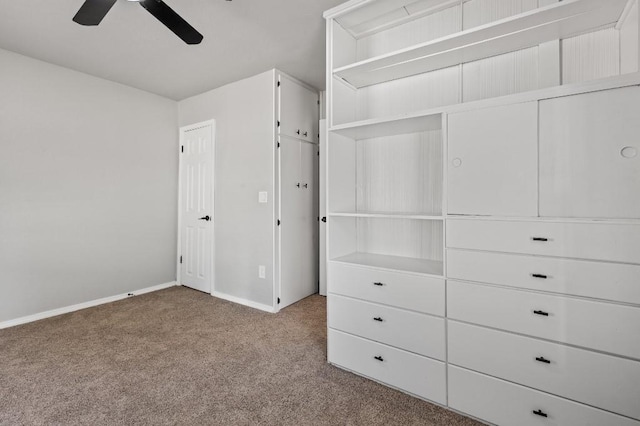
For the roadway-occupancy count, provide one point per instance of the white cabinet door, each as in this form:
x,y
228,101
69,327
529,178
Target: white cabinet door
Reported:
x,y
298,110
308,238
299,219
493,161
322,213
290,213
590,155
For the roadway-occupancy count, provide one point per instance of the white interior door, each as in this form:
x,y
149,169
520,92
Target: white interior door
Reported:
x,y
196,206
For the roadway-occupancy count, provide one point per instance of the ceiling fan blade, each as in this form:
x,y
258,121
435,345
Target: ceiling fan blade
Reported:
x,y
92,11
172,20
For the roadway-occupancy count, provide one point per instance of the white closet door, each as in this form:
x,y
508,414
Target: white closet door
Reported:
x,y
299,227
590,155
308,220
290,217
493,161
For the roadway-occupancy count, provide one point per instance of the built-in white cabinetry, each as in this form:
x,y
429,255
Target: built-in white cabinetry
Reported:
x,y
550,303
483,190
298,159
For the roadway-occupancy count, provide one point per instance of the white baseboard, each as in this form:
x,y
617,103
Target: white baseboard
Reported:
x,y
79,306
244,302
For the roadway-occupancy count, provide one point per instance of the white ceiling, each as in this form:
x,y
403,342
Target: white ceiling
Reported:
x,y
241,38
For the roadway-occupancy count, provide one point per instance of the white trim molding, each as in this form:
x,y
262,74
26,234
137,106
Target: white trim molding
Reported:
x,y
84,305
244,302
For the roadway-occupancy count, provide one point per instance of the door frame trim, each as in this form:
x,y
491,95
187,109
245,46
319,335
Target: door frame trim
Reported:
x,y
183,129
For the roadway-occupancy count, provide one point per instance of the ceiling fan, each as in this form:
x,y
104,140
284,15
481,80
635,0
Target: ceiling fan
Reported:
x,y
93,11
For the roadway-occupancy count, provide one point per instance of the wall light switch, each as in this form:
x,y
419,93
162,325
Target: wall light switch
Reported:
x,y
262,197
262,272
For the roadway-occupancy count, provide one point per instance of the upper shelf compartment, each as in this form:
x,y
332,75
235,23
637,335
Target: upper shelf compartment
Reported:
x,y
557,21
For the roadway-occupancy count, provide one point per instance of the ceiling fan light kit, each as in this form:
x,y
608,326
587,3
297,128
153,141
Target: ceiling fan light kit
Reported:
x,y
92,12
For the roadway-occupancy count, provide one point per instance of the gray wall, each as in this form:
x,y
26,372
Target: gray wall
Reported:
x,y
88,184
243,229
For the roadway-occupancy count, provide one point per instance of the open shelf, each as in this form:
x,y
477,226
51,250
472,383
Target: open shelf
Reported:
x,y
415,123
381,215
395,263
557,21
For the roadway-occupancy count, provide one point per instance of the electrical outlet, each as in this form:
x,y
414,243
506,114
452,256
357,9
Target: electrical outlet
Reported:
x,y
262,272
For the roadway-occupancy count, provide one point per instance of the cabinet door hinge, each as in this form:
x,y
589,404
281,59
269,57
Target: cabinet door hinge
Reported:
x,y
180,259
182,148
278,123
278,144
278,222
278,300
278,84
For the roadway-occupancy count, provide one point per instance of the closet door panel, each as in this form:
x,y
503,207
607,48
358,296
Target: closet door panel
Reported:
x,y
298,110
308,219
290,214
590,155
493,161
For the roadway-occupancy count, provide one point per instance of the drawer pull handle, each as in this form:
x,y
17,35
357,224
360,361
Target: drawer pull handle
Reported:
x,y
541,313
540,239
543,359
378,319
378,284
379,358
541,276
540,413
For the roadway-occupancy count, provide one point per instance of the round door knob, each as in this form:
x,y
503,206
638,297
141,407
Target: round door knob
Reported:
x,y
457,162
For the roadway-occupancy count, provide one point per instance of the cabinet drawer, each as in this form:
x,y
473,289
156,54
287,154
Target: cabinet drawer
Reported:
x,y
595,241
507,404
419,333
597,325
595,379
600,280
410,291
412,373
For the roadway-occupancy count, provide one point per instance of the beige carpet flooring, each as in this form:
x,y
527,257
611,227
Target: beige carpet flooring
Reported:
x,y
178,356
